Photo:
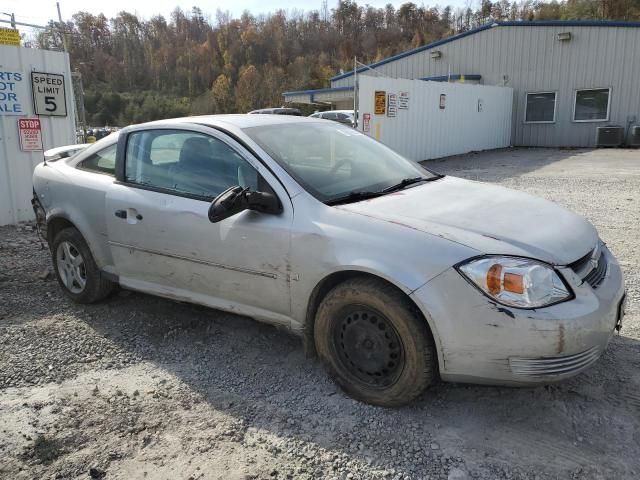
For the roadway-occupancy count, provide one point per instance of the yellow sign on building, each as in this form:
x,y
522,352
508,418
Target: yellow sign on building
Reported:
x,y
380,102
9,36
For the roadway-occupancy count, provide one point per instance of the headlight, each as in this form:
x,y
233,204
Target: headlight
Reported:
x,y
517,282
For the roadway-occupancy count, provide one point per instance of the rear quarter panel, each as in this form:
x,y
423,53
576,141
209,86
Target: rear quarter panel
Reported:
x,y
79,197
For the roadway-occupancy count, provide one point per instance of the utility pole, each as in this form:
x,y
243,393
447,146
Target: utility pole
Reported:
x,y
81,113
12,17
324,12
355,90
62,28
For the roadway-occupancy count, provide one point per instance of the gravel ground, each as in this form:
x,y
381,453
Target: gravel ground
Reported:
x,y
141,387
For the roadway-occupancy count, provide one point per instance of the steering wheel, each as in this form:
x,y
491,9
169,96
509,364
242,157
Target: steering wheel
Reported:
x,y
339,164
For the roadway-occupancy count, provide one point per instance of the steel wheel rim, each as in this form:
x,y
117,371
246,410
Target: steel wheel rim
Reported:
x,y
71,267
368,346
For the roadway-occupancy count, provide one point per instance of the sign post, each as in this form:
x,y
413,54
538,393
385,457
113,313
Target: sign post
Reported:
x,y
30,133
49,95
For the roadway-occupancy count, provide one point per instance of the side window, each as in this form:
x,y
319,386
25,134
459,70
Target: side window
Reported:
x,y
103,161
186,162
330,116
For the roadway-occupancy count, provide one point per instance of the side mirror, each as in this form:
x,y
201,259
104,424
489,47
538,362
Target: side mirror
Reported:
x,y
236,199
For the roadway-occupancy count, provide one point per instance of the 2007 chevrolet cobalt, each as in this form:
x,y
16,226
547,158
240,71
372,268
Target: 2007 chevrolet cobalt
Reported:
x,y
393,274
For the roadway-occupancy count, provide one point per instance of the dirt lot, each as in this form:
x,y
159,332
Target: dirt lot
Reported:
x,y
140,387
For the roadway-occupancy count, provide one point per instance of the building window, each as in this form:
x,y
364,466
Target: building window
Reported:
x,y
540,107
592,105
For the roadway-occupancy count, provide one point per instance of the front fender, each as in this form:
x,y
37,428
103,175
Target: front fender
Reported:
x,y
341,241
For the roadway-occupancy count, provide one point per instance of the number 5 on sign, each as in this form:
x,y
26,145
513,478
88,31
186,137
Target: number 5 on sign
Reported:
x,y
49,96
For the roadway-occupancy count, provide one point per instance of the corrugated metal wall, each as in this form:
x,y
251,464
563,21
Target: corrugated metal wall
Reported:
x,y
425,131
531,59
16,166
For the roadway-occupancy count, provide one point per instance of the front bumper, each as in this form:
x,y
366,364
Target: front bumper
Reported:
x,y
481,341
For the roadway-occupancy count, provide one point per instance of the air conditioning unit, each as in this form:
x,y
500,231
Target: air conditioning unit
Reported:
x,y
609,136
634,136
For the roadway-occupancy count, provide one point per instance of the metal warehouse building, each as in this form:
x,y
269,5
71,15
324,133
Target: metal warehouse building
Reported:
x,y
568,77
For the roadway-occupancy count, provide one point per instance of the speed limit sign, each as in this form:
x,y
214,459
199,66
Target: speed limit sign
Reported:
x,y
49,96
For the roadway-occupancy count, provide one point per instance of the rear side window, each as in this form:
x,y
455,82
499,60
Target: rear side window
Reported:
x,y
103,161
330,116
185,162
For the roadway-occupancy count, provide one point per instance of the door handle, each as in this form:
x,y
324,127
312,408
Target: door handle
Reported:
x,y
124,214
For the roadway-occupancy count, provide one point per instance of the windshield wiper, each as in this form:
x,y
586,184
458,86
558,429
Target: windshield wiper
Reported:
x,y
405,182
354,196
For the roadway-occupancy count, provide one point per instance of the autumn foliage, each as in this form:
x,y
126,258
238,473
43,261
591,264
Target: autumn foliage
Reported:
x,y
137,70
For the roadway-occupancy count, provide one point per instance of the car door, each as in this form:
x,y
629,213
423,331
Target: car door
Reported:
x,y
162,240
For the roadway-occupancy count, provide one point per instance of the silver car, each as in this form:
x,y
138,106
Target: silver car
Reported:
x,y
392,274
341,116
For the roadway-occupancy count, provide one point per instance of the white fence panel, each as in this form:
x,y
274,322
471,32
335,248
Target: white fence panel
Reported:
x,y
473,117
16,166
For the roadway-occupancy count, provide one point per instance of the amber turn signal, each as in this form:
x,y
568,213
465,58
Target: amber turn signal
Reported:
x,y
494,279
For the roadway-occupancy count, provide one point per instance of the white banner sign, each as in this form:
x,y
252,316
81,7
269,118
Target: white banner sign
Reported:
x,y
403,101
13,93
392,109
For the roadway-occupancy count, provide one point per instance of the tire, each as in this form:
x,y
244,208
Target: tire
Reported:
x,y
82,281
374,343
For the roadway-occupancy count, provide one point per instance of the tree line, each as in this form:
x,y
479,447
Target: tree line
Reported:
x,y
136,70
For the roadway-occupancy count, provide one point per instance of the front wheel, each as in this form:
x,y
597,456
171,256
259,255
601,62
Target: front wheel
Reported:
x,y
76,270
373,342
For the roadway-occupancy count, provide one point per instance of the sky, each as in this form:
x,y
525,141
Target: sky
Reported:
x,y
39,12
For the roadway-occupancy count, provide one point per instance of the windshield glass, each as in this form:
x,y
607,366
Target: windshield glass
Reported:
x,y
332,161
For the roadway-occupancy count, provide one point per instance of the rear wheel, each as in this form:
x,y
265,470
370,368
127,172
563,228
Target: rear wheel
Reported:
x,y
374,344
76,270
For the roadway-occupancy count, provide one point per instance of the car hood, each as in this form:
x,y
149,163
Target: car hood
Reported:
x,y
487,218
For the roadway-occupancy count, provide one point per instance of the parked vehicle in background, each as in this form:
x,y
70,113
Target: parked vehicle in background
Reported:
x,y
58,153
393,274
278,111
345,117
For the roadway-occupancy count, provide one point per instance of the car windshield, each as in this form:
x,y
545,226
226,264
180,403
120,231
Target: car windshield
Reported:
x,y
336,163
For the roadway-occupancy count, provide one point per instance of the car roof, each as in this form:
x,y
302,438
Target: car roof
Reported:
x,y
241,121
